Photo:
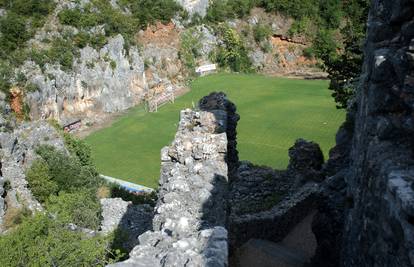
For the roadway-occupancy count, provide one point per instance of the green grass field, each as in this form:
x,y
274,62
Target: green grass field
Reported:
x,y
274,113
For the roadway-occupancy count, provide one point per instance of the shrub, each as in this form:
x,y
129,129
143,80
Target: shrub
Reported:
x,y
40,182
81,208
217,11
20,13
13,33
261,32
232,54
71,17
190,48
112,64
98,41
68,172
5,76
15,216
31,87
308,52
147,12
221,10
81,39
136,199
79,149
300,26
62,51
266,46
42,241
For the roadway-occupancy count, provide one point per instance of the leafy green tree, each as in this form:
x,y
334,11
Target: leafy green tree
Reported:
x,y
343,63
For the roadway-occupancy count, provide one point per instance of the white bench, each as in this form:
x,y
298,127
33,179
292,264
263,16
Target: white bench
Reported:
x,y
206,69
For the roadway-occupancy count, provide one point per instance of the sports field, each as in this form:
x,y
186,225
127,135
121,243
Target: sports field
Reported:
x,y
274,113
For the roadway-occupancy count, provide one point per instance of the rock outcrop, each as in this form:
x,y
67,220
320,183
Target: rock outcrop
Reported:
x,y
195,6
18,153
103,81
190,215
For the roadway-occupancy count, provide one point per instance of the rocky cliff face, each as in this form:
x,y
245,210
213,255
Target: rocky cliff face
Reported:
x,y
379,226
101,80
108,81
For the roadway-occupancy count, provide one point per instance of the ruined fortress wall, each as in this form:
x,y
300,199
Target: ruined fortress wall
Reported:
x,y
379,226
190,215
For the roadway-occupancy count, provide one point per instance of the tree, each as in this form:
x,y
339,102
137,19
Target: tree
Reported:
x,y
344,65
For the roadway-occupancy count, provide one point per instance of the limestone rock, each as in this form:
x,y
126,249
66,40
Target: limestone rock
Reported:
x,y
195,6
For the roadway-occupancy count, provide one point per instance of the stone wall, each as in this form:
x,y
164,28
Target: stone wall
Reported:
x,y
379,225
190,215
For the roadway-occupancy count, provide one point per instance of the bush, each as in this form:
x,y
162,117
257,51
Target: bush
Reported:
x,y
79,149
190,48
62,51
308,52
40,182
261,32
20,13
15,216
42,241
221,10
136,199
81,208
232,54
13,33
300,27
5,76
72,17
68,172
147,12
217,11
